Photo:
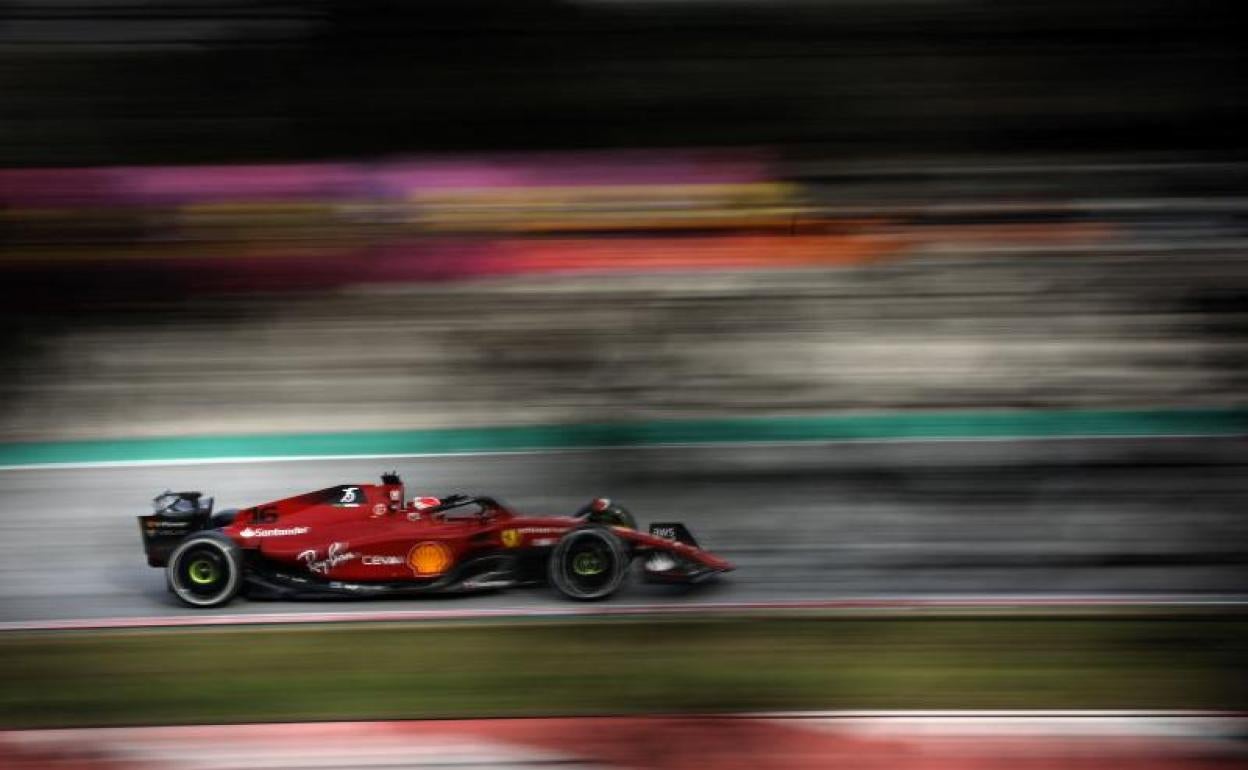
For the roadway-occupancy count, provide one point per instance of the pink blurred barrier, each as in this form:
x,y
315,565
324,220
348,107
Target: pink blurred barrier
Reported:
x,y
897,741
604,168
376,180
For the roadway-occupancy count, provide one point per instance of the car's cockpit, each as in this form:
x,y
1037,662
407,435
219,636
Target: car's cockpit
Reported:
x,y
455,507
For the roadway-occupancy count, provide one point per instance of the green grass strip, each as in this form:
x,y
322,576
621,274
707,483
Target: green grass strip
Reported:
x,y
899,426
618,667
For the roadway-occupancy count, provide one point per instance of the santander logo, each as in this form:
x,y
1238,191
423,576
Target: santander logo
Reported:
x,y
275,531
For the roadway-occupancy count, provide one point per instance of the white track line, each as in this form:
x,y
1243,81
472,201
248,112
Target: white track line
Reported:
x,y
576,611
1024,723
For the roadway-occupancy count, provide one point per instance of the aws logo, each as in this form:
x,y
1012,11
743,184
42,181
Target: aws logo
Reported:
x,y
429,558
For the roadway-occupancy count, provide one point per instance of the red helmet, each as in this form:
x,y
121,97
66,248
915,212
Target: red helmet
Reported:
x,y
425,503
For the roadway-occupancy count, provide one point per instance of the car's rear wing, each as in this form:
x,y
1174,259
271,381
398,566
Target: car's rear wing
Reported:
x,y
177,514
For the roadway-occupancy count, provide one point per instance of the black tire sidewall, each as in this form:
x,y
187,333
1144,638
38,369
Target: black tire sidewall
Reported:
x,y
229,556
620,560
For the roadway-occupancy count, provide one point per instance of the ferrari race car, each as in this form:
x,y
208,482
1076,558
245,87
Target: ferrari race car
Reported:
x,y
368,540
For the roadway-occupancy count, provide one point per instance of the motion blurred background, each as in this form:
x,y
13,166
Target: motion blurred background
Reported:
x,y
289,216
498,212
946,220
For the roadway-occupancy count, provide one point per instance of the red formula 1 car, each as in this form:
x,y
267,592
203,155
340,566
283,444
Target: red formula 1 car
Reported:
x,y
367,540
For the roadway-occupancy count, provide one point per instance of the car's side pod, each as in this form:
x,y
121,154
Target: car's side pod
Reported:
x,y
177,515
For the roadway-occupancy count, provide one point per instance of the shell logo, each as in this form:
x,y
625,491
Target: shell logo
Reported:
x,y
429,558
510,537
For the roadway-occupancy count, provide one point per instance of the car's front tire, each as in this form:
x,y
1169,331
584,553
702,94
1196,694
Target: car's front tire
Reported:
x,y
588,564
205,570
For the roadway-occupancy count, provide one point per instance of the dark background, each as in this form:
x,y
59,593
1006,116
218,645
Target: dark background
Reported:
x,y
219,80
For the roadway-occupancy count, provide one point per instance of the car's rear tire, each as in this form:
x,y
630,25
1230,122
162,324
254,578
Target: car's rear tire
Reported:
x,y
588,564
205,570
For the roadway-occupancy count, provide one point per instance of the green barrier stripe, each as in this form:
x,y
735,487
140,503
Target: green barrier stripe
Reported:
x,y
879,427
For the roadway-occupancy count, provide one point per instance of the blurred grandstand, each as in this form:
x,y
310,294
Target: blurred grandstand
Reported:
x,y
612,285
361,213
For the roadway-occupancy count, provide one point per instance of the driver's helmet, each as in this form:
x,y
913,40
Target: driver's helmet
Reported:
x,y
422,504
602,510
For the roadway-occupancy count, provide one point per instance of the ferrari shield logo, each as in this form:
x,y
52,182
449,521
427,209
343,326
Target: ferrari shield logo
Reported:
x,y
511,537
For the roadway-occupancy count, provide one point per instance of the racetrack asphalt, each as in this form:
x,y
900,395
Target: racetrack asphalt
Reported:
x,y
803,522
